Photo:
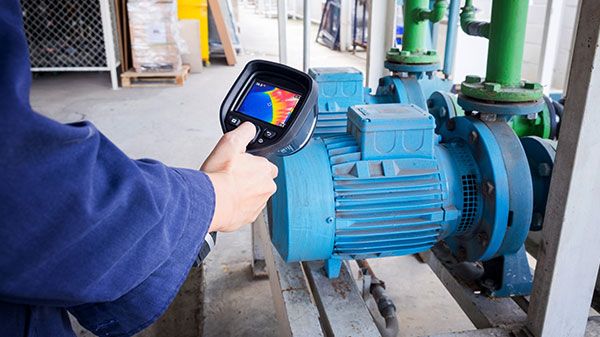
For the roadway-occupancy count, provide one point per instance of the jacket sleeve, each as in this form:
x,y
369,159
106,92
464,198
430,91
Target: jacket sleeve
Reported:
x,y
80,222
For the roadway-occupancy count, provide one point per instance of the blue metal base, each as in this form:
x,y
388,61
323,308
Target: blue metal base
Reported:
x,y
333,267
508,275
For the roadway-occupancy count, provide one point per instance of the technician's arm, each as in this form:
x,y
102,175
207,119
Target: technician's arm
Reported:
x,y
242,185
84,226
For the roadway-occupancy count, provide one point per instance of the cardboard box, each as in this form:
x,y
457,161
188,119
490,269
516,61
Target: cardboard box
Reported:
x,y
154,31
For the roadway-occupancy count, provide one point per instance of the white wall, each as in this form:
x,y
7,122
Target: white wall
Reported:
x,y
471,51
533,38
564,51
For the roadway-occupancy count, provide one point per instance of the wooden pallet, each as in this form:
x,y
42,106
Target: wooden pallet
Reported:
x,y
133,79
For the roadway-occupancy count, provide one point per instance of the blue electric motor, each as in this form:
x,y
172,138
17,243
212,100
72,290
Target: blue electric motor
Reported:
x,y
390,185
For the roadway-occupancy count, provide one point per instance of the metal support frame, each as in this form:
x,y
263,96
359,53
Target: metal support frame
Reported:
x,y
109,42
259,268
294,307
282,30
502,312
566,277
307,303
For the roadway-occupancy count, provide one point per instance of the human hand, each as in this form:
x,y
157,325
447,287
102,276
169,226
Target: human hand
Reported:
x,y
242,182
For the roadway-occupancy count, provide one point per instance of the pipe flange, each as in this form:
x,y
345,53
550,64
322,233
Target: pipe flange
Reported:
x,y
544,125
443,107
412,57
411,68
540,155
500,108
474,87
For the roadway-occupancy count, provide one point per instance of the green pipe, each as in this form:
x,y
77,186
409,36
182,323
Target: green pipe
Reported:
x,y
416,17
415,30
507,41
471,26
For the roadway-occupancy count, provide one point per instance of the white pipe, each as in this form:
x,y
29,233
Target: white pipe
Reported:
x,y
306,37
282,25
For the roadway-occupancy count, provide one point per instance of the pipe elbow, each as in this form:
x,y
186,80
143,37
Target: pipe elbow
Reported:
x,y
439,11
436,14
471,26
466,16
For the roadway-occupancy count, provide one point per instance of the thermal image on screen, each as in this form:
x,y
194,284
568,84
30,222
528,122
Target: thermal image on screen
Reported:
x,y
269,103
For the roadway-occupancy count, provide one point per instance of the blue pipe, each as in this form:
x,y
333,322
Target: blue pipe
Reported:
x,y
433,30
450,49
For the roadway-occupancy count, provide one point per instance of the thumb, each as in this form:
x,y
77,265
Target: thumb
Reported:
x,y
236,140
230,145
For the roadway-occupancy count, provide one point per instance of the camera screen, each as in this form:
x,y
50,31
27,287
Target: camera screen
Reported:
x,y
269,103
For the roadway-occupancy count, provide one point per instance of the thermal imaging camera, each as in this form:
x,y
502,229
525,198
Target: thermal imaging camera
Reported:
x,y
279,100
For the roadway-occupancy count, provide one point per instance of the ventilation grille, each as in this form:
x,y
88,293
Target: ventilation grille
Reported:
x,y
470,202
470,182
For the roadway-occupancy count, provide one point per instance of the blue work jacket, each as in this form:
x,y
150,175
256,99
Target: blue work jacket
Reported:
x,y
83,228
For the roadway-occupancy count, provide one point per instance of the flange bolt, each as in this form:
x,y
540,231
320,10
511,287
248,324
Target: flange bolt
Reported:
x,y
451,124
493,87
473,136
544,170
489,284
472,79
488,188
537,220
532,85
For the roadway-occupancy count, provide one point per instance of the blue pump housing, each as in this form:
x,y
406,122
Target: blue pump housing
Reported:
x,y
342,87
411,88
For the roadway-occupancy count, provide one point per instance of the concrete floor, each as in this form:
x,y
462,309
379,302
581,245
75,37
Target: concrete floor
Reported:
x,y
179,126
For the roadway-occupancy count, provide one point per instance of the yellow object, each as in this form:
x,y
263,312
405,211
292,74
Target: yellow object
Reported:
x,y
198,10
